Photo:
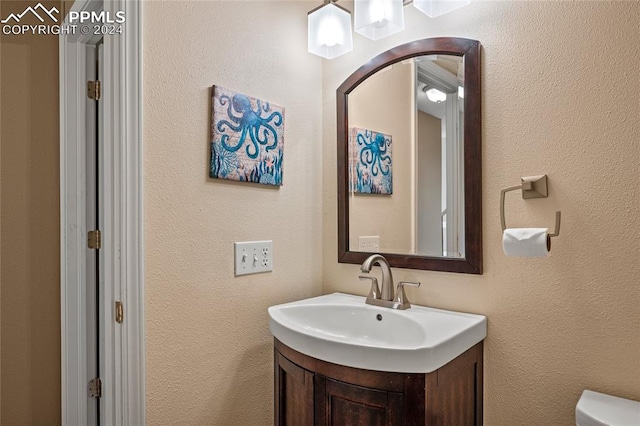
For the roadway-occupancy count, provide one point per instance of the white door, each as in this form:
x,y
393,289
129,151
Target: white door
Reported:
x,y
101,189
94,273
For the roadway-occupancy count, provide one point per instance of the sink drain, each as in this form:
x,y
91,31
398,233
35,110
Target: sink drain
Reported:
x,y
379,317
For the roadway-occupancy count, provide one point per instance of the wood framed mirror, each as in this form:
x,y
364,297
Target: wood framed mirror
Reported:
x,y
410,158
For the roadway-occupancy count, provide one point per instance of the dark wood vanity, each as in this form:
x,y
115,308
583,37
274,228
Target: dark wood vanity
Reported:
x,y
309,391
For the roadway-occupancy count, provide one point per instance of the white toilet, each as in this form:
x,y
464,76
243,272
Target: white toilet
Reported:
x,y
599,409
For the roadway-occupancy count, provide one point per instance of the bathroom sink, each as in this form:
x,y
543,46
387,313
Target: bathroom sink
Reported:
x,y
342,329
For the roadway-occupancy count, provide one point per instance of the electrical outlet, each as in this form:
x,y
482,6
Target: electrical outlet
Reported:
x,y
253,257
370,244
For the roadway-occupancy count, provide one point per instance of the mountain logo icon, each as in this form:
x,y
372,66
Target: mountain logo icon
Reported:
x,y
34,11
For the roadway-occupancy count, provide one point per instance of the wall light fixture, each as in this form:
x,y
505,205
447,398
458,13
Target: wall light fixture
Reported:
x,y
433,8
329,26
329,31
377,19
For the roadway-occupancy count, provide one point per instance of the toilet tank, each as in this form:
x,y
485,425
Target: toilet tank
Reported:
x,y
599,409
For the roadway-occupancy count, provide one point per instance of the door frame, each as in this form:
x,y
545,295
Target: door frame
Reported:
x,y
121,256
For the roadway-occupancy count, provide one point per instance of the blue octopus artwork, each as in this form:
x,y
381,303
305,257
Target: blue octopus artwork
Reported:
x,y
247,138
370,162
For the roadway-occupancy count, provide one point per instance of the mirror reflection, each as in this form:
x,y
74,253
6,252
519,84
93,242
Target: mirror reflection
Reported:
x,y
405,159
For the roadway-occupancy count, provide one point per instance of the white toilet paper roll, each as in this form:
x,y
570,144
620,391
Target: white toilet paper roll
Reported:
x,y
525,242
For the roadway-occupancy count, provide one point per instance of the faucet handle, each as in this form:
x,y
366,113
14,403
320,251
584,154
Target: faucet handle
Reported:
x,y
374,292
401,296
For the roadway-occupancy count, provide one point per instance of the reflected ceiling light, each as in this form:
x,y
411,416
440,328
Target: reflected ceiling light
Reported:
x,y
329,28
433,8
435,95
377,19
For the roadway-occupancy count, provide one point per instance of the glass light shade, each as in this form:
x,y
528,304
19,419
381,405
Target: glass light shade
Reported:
x,y
376,19
433,8
329,28
435,95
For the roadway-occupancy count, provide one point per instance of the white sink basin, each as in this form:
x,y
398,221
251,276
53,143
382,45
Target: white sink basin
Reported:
x,y
342,329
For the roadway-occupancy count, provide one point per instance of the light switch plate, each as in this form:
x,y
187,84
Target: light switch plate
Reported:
x,y
253,257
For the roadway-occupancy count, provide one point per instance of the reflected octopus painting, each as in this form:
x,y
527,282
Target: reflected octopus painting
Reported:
x,y
369,162
247,138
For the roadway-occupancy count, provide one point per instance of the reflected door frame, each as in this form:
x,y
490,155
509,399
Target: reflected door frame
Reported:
x,y
121,256
454,178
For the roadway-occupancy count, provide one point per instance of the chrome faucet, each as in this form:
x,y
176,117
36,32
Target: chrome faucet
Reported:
x,y
385,296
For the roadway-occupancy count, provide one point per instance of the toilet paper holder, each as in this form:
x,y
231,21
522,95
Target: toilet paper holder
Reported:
x,y
532,187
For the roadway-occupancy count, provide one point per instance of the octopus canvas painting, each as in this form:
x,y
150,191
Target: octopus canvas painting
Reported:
x,y
370,159
247,138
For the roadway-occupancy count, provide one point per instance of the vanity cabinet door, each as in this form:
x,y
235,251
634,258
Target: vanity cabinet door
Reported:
x,y
309,392
343,404
293,393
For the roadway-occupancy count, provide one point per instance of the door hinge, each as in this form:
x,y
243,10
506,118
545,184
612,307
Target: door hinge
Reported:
x,y
95,388
119,312
95,239
93,90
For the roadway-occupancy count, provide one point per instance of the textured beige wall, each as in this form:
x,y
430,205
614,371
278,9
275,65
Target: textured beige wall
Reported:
x,y
561,96
29,188
208,346
387,216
